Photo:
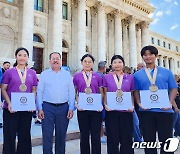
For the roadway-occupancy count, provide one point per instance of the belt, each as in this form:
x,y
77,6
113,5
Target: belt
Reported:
x,y
58,104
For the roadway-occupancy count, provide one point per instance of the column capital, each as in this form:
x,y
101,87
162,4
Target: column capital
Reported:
x,y
75,3
118,13
101,6
131,19
138,27
125,22
144,24
94,10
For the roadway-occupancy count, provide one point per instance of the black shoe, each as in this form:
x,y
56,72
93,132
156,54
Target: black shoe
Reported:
x,y
38,122
1,125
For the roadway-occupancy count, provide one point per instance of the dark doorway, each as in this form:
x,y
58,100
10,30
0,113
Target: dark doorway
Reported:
x,y
38,59
64,59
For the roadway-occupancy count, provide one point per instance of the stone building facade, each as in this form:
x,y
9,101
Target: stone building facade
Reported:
x,y
75,27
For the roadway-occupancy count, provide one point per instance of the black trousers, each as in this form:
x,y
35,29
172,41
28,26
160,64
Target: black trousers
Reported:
x,y
17,124
90,123
119,128
156,122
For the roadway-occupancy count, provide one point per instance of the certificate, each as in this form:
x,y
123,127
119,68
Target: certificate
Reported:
x,y
158,99
119,103
92,102
23,101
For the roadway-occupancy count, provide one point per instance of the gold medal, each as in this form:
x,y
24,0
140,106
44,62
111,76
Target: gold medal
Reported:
x,y
153,88
88,90
119,93
22,77
23,87
152,79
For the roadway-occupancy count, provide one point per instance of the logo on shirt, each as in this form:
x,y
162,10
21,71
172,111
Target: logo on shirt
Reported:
x,y
154,97
90,100
119,99
23,100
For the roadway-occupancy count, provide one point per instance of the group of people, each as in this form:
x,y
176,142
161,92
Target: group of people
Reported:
x,y
56,93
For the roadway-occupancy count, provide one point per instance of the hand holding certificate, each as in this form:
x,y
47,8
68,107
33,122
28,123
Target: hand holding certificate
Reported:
x,y
92,102
158,99
119,103
23,101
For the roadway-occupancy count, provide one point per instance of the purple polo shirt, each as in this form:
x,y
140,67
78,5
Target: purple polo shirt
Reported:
x,y
127,83
80,83
11,78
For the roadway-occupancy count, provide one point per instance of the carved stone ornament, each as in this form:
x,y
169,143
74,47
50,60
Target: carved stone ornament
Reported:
x,y
6,12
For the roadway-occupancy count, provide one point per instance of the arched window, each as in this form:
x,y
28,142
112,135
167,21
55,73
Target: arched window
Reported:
x,y
64,44
36,38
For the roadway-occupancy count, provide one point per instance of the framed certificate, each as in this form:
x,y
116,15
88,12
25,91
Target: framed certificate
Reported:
x,y
23,101
92,102
119,103
158,99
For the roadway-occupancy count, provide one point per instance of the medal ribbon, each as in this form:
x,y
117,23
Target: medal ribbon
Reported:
x,y
118,83
87,80
151,79
22,77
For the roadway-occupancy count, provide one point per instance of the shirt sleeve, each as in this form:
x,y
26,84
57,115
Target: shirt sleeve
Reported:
x,y
104,82
6,77
35,79
71,94
75,80
40,89
171,81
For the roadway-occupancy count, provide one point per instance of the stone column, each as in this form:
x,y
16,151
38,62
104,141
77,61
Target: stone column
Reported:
x,y
57,27
167,62
175,66
172,65
145,33
102,19
28,26
118,33
132,43
138,38
125,42
161,60
81,30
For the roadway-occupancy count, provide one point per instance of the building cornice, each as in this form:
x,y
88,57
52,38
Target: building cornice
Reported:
x,y
164,37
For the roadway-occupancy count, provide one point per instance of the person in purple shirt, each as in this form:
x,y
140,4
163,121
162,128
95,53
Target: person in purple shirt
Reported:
x,y
89,121
17,123
119,124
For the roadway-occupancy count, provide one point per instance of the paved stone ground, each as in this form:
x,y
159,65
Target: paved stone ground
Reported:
x,y
72,147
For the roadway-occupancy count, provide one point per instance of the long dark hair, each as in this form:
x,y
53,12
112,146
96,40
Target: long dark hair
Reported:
x,y
17,51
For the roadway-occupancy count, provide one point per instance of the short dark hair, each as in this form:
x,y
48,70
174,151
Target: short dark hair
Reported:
x,y
117,57
101,64
54,53
152,49
6,62
87,55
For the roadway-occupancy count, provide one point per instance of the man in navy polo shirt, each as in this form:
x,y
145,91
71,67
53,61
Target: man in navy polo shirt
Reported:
x,y
154,120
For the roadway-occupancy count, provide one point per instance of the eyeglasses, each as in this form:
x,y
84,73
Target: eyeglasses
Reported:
x,y
55,59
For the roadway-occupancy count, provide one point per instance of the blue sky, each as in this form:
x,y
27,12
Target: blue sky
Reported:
x,y
166,18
